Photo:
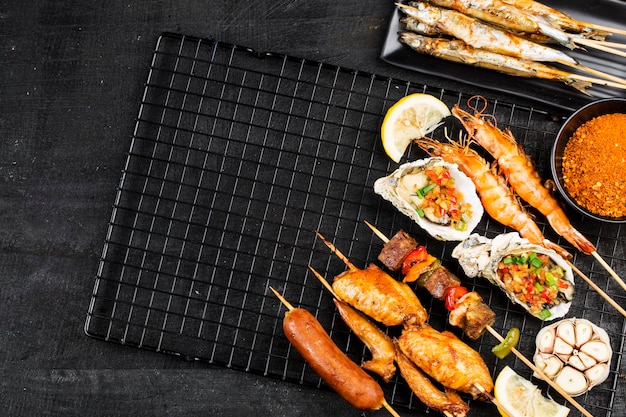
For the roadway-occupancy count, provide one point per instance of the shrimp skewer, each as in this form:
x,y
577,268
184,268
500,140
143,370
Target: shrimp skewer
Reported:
x,y
458,51
518,168
498,200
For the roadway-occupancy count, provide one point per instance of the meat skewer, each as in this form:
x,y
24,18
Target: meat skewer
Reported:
x,y
516,352
467,309
376,294
351,382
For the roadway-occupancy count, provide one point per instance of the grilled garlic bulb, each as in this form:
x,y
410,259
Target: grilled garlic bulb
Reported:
x,y
574,353
436,195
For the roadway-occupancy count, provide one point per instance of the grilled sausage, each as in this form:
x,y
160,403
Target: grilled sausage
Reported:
x,y
351,382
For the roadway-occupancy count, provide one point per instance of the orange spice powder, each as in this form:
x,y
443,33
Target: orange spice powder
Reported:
x,y
594,165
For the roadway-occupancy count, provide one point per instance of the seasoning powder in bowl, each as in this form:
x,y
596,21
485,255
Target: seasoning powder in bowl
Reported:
x,y
594,165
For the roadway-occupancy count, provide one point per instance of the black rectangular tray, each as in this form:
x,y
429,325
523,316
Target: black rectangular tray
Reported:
x,y
237,158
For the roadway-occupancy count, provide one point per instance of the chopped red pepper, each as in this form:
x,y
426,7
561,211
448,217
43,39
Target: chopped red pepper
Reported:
x,y
453,295
418,254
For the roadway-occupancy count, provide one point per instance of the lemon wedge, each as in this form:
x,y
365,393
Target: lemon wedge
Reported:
x,y
522,398
411,117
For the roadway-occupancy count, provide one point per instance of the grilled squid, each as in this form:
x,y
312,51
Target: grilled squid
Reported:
x,y
536,278
436,195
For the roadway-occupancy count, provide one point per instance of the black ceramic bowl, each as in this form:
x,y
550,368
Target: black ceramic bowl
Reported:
x,y
579,117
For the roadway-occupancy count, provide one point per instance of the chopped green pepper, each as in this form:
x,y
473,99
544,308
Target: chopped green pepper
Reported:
x,y
510,341
544,314
424,190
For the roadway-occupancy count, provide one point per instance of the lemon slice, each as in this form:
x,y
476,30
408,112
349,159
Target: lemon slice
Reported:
x,y
411,117
522,398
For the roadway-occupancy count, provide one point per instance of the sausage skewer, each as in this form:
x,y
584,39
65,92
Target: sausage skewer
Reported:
x,y
352,383
517,353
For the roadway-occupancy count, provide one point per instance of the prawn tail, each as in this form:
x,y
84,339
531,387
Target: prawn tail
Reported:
x,y
557,248
579,241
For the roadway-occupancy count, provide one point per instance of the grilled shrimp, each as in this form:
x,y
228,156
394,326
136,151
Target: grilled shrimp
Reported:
x,y
495,195
518,168
480,35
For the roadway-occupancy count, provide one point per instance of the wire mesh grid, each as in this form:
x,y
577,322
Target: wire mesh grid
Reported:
x,y
236,159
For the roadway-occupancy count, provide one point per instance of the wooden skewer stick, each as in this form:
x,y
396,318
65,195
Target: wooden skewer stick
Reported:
x,y
517,353
596,72
602,28
599,46
291,307
609,269
616,45
336,251
597,289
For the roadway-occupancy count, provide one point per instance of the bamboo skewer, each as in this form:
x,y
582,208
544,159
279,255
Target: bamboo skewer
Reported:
x,y
604,47
597,289
595,72
609,269
517,353
291,307
603,28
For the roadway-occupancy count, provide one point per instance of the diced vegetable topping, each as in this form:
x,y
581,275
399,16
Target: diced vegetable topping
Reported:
x,y
535,279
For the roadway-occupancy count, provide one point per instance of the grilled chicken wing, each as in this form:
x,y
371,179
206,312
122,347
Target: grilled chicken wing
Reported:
x,y
447,359
376,294
379,344
446,402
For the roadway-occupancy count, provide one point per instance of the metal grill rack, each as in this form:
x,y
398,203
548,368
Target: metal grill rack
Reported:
x,y
236,159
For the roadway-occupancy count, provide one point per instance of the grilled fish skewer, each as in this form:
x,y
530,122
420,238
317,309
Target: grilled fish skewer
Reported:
x,y
564,21
458,51
483,36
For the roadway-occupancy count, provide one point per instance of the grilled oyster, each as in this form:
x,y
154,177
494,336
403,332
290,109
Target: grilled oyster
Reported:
x,y
436,195
536,278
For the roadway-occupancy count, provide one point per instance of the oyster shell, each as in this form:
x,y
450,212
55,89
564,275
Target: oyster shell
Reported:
x,y
480,256
398,188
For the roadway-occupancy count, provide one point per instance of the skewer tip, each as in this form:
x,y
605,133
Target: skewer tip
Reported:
x,y
282,299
